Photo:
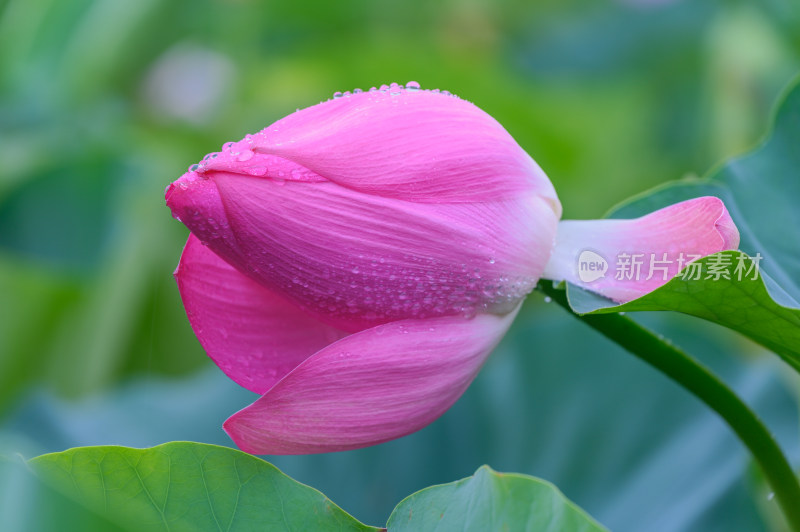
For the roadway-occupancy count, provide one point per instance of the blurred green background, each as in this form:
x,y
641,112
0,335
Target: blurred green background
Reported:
x,y
104,102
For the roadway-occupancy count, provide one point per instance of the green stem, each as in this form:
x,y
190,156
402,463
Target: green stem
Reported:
x,y
707,387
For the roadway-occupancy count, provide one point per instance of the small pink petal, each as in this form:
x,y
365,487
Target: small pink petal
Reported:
x,y
195,201
370,387
253,335
415,145
661,243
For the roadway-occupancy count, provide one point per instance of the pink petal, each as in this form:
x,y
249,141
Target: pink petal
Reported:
x,y
253,335
416,145
355,260
373,386
662,242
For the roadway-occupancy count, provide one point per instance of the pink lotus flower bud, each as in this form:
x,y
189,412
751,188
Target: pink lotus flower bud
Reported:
x,y
356,262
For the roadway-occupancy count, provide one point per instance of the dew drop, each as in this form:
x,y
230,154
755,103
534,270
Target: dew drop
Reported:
x,y
256,170
245,156
548,299
412,86
337,94
194,168
357,91
492,260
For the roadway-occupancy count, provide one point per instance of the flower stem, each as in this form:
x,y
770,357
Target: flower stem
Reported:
x,y
707,387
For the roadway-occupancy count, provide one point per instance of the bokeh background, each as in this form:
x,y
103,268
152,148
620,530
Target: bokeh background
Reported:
x,y
104,102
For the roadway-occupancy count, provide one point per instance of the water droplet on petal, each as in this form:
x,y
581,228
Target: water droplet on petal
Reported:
x,y
245,156
337,94
412,86
256,170
194,168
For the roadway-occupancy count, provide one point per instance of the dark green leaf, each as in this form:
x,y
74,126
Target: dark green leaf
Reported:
x,y
762,193
491,501
743,305
29,505
189,486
